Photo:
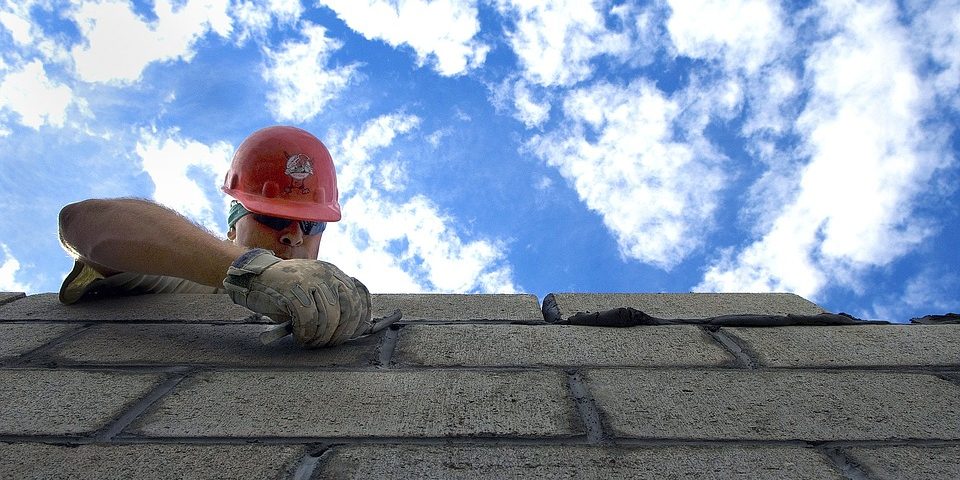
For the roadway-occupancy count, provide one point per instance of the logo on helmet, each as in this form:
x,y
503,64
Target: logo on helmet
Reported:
x,y
298,169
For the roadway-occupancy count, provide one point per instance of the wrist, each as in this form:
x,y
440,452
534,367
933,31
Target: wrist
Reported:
x,y
249,255
253,261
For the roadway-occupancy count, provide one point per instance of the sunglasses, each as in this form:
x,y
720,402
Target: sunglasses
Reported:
x,y
277,223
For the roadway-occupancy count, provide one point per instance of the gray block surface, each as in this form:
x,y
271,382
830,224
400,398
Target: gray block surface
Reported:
x,y
457,307
570,462
682,305
66,402
179,307
920,463
438,403
188,344
556,345
776,405
19,338
39,461
7,297
854,346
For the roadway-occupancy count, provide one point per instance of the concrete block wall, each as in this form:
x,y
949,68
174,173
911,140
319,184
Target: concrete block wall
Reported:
x,y
472,386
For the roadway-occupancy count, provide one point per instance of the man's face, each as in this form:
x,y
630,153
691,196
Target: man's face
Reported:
x,y
287,243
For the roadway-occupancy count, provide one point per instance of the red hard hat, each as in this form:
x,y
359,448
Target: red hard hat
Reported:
x,y
284,172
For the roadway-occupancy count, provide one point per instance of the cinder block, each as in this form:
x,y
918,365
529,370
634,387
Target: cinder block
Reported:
x,y
521,308
917,463
66,402
191,344
854,345
35,460
560,306
19,338
557,345
180,307
468,462
432,403
776,405
7,297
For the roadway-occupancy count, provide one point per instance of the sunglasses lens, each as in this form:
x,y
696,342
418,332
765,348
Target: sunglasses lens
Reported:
x,y
313,228
273,222
276,223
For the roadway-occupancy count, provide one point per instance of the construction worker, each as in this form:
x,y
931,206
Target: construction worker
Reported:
x,y
284,187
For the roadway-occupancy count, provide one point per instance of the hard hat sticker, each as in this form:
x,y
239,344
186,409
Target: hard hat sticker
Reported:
x,y
298,169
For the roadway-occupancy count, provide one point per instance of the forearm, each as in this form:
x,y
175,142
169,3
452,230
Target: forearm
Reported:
x,y
130,235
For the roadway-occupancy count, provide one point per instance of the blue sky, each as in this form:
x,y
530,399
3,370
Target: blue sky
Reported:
x,y
518,146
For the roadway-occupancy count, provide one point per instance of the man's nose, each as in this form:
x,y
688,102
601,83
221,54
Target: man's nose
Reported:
x,y
292,235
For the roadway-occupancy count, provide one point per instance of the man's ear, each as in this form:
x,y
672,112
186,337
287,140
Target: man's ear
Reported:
x,y
232,234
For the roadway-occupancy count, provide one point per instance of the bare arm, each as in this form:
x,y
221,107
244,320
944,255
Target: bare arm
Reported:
x,y
131,235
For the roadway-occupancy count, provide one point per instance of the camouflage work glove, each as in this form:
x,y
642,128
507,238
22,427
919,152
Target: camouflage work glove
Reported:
x,y
323,305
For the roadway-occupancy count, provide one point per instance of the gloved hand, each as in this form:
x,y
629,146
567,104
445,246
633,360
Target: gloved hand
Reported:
x,y
324,306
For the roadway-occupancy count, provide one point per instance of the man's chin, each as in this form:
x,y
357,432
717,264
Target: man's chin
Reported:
x,y
287,254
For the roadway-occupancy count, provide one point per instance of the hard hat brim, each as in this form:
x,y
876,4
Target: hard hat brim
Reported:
x,y
277,207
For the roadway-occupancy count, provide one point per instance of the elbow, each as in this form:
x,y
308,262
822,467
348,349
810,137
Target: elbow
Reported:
x,y
74,225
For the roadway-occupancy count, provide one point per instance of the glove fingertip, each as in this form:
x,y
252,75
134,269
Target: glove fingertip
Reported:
x,y
331,318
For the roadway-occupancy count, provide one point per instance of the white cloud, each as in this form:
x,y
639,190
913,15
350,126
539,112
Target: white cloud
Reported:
x,y
34,97
392,176
402,245
655,189
436,137
933,290
748,41
743,33
771,98
462,115
440,29
29,37
187,175
8,273
255,17
529,111
869,154
411,246
354,160
18,27
557,40
543,183
936,33
302,82
745,43
118,45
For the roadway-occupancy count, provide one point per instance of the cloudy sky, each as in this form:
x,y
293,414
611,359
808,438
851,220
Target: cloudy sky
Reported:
x,y
518,145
